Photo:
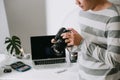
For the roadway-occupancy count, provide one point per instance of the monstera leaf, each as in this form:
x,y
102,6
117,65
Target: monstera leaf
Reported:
x,y
13,45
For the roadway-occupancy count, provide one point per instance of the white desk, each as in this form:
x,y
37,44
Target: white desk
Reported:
x,y
41,74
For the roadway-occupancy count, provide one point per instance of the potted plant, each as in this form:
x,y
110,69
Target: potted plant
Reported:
x,y
14,46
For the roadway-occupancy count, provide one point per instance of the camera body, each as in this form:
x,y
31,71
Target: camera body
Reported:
x,y
60,44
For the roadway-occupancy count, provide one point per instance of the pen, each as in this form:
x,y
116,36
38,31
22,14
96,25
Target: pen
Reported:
x,y
60,71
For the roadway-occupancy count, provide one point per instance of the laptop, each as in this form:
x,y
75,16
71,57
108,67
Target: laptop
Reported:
x,y
43,54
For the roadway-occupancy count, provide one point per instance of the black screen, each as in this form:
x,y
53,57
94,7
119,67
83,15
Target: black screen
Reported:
x,y
41,48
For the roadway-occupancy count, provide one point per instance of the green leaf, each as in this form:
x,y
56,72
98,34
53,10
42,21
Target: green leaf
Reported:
x,y
12,50
17,45
13,44
17,50
18,42
8,47
7,40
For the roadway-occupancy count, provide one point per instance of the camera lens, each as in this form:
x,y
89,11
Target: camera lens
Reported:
x,y
59,47
60,44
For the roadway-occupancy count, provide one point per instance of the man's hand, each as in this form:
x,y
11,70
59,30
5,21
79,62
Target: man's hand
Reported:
x,y
72,37
53,40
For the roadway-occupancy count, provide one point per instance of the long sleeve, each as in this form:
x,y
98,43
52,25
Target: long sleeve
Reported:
x,y
108,53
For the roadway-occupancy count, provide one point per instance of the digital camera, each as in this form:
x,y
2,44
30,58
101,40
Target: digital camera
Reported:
x,y
60,45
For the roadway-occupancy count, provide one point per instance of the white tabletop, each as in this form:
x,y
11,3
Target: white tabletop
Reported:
x,y
69,73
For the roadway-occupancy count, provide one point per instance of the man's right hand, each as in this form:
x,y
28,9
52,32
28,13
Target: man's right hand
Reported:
x,y
53,40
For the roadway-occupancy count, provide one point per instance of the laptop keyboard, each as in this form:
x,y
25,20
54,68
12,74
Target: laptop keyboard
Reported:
x,y
49,61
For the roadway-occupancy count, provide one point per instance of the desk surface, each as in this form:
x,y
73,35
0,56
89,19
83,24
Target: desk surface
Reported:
x,y
70,73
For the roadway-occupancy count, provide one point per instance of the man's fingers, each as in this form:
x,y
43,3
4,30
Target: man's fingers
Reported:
x,y
53,41
67,40
66,35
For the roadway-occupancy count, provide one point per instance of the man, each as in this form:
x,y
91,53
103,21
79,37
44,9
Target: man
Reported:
x,y
98,45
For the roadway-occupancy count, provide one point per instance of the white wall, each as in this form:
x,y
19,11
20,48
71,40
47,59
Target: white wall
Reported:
x,y
3,28
26,18
57,12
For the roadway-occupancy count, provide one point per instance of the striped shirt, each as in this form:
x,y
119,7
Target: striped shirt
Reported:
x,y
99,55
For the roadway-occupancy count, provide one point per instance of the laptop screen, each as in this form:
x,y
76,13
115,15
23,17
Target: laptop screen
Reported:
x,y
41,48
